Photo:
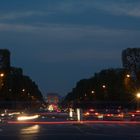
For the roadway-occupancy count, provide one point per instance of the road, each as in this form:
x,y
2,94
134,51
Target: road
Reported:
x,y
70,131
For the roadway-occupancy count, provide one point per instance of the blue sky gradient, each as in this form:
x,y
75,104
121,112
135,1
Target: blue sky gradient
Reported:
x,y
60,42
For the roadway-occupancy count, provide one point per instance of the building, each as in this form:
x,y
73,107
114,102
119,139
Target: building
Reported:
x,y
4,59
131,61
52,98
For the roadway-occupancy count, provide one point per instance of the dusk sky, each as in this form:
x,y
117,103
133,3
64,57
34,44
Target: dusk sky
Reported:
x,y
59,42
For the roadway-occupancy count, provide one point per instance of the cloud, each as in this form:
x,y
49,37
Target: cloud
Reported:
x,y
69,43
113,7
64,7
66,30
77,7
123,8
66,35
76,55
72,7
17,15
17,27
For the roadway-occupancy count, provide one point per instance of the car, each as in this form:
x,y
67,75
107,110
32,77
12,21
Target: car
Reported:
x,y
134,115
92,114
113,115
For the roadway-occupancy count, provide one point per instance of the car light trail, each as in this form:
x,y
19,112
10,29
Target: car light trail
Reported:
x,y
30,130
75,122
24,118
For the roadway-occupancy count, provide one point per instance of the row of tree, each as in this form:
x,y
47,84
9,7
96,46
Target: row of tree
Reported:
x,y
111,85
18,90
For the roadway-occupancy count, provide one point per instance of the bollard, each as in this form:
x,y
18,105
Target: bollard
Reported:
x,y
79,114
71,113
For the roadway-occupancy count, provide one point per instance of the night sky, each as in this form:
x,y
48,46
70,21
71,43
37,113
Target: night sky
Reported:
x,y
59,42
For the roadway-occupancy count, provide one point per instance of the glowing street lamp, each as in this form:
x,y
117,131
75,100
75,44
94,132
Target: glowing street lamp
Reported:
x,y
138,95
2,75
138,99
23,89
104,86
128,76
1,79
105,92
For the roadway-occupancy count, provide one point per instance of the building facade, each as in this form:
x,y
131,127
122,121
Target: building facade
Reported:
x,y
4,59
52,100
131,61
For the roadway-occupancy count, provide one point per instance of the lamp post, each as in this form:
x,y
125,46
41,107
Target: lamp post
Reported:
x,y
93,94
138,99
1,74
23,90
128,76
104,88
92,91
1,79
127,81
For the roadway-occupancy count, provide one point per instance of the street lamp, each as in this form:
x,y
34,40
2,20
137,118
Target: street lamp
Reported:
x,y
128,76
138,99
2,75
1,79
104,89
104,86
138,95
23,89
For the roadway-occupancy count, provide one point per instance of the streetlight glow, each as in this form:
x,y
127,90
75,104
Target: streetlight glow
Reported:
x,y
128,75
138,99
104,86
92,91
2,75
23,89
138,95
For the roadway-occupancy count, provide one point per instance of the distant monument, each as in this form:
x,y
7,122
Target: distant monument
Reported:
x,y
52,101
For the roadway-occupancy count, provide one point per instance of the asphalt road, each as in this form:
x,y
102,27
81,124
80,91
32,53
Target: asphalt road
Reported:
x,y
87,131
